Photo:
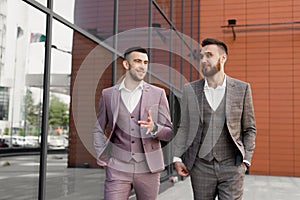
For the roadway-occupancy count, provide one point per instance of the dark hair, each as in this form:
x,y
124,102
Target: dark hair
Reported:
x,y
219,43
132,49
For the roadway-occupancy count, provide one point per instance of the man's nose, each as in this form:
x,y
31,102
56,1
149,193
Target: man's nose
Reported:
x,y
203,59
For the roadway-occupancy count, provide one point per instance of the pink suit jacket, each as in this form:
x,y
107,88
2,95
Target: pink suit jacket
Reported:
x,y
153,98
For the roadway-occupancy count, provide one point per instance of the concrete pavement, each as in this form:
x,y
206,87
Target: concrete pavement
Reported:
x,y
257,187
19,176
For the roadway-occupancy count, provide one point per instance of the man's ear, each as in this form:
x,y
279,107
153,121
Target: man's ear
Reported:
x,y
125,64
224,58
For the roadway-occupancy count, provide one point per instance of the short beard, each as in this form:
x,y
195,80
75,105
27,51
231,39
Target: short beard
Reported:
x,y
214,70
133,76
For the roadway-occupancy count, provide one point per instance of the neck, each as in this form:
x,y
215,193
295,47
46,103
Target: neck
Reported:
x,y
216,80
131,84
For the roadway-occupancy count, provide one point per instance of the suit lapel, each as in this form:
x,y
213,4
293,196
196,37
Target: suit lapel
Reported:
x,y
115,103
199,90
144,105
229,95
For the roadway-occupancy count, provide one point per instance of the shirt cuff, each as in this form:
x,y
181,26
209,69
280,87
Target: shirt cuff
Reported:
x,y
247,163
154,131
101,163
176,159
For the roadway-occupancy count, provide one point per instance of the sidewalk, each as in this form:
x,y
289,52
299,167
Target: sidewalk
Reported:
x,y
180,190
257,187
19,176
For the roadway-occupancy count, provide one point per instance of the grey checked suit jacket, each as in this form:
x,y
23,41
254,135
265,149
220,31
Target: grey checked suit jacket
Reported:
x,y
239,118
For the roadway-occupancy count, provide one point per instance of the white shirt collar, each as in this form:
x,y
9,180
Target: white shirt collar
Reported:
x,y
206,86
122,86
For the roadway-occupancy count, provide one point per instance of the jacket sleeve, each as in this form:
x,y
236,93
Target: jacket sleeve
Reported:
x,y
248,125
165,127
99,133
181,136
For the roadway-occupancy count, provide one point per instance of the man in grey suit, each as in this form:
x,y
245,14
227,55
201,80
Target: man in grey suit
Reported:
x,y
216,138
136,115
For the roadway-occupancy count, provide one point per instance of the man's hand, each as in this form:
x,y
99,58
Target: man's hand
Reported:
x,y
245,167
181,169
149,124
102,164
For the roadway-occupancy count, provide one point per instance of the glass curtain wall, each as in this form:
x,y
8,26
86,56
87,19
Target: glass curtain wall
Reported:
x,y
21,89
53,158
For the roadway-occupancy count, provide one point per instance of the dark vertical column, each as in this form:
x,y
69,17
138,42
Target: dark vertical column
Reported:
x,y
115,41
171,94
46,85
191,42
198,38
182,43
150,38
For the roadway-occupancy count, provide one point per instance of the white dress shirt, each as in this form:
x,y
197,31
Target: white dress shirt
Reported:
x,y
131,98
214,96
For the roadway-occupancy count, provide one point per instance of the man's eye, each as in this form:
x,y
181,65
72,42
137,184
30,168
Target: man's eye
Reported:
x,y
138,61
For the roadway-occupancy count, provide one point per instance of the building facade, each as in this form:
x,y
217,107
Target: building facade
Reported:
x,y
261,41
73,49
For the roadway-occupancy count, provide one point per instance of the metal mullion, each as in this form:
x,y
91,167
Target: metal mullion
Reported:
x,y
171,93
198,48
46,91
181,51
191,36
150,38
115,41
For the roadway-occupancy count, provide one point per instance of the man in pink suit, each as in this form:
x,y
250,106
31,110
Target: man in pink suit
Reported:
x,y
133,117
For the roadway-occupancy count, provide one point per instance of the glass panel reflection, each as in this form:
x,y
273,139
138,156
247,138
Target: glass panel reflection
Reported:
x,y
96,17
89,68
22,53
61,62
65,9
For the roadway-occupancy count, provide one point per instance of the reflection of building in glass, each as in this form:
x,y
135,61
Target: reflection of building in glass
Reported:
x,y
4,103
22,58
4,90
12,63
2,33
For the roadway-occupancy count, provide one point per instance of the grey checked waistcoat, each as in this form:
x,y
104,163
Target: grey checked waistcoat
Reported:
x,y
216,141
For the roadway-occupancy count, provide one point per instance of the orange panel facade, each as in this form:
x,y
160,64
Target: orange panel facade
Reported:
x,y
266,56
265,52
